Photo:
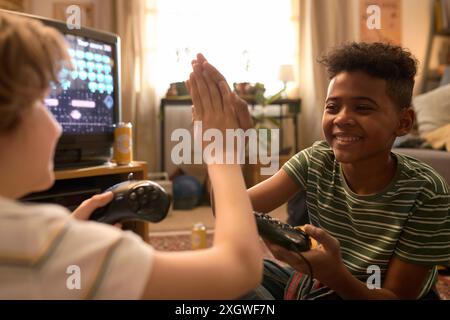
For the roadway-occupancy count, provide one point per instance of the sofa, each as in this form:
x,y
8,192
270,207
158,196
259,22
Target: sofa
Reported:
x,y
439,160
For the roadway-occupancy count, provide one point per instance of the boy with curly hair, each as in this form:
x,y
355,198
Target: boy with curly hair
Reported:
x,y
369,208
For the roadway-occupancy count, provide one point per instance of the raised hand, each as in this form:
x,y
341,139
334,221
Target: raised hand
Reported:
x,y
214,108
239,105
211,99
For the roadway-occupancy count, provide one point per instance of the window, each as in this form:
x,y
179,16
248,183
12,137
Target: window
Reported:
x,y
247,40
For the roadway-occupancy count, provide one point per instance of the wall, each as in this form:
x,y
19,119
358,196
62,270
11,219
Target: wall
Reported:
x,y
416,28
416,20
103,10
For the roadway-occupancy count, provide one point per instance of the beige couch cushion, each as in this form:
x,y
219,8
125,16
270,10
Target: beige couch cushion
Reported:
x,y
439,138
432,109
438,160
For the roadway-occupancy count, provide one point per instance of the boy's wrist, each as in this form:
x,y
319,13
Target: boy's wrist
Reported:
x,y
342,277
348,286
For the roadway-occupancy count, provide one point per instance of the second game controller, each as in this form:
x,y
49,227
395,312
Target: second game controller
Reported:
x,y
281,233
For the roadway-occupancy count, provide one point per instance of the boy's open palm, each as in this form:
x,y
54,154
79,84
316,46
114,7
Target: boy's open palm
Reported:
x,y
209,86
212,104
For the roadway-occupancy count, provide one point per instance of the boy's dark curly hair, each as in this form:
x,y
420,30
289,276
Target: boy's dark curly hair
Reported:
x,y
392,63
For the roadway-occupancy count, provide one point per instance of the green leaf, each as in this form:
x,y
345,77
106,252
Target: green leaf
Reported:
x,y
274,121
275,97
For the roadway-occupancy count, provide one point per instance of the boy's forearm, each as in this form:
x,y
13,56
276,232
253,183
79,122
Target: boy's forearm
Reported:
x,y
349,287
231,203
228,182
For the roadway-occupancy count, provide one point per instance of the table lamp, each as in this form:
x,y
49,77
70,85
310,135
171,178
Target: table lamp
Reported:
x,y
286,74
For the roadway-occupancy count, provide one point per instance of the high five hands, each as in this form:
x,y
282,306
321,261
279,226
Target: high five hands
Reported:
x,y
218,107
213,98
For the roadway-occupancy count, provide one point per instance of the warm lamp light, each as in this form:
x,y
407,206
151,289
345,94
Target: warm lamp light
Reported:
x,y
286,73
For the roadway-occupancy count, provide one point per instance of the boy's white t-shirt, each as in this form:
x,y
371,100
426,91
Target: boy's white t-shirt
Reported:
x,y
46,254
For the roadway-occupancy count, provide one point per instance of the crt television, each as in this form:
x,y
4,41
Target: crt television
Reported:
x,y
87,103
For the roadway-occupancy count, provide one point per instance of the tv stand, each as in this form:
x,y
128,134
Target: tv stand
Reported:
x,y
83,156
80,165
72,186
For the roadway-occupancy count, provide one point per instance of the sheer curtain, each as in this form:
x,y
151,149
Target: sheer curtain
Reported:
x,y
247,40
320,25
139,101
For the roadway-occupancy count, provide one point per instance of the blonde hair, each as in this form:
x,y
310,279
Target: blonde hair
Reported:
x,y
31,57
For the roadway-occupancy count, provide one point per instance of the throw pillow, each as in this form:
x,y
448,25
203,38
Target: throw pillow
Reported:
x,y
432,109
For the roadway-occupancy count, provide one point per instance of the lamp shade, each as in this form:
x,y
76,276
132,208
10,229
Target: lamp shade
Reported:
x,y
286,73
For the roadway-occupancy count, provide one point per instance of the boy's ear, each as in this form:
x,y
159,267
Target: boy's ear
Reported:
x,y
406,121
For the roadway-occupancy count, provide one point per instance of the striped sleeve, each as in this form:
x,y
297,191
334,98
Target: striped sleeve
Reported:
x,y
297,167
426,235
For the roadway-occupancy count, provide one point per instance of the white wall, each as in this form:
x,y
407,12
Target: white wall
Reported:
x,y
103,11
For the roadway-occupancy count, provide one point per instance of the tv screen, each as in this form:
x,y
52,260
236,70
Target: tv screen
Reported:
x,y
87,103
84,103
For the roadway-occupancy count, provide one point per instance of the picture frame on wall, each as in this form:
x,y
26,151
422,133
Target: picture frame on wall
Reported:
x,y
13,5
390,30
87,11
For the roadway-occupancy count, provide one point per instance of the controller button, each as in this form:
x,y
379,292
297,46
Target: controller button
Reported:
x,y
133,196
143,200
140,191
154,196
134,206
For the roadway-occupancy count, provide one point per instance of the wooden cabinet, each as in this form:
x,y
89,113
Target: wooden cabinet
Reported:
x,y
72,186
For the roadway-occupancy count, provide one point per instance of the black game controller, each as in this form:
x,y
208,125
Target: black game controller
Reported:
x,y
134,200
281,233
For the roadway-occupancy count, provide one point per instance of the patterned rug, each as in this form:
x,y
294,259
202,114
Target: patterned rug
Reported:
x,y
443,287
181,242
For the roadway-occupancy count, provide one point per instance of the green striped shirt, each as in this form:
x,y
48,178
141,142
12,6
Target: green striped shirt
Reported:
x,y
408,219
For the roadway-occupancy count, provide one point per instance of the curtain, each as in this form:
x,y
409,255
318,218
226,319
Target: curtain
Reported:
x,y
139,102
321,25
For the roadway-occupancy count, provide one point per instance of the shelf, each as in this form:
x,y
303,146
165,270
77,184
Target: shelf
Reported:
x,y
442,33
291,112
432,78
102,170
186,101
72,186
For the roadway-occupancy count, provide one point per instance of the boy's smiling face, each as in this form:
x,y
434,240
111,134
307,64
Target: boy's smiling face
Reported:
x,y
360,121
